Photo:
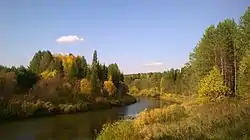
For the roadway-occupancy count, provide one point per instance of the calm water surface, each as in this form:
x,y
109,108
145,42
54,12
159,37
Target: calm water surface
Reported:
x,y
82,126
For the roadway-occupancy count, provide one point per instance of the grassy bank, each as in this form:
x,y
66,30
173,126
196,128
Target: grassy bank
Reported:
x,y
175,98
22,109
152,92
222,119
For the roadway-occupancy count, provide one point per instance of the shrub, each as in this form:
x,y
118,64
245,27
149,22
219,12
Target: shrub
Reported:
x,y
212,85
170,114
28,108
47,88
14,108
122,130
101,100
81,106
67,108
133,90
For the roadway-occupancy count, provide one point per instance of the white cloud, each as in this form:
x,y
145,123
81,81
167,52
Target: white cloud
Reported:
x,y
69,39
153,64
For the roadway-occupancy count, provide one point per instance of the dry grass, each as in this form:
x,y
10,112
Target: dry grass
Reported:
x,y
175,98
197,119
122,130
152,92
170,114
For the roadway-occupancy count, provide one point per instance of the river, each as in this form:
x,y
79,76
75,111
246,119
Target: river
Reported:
x,y
79,126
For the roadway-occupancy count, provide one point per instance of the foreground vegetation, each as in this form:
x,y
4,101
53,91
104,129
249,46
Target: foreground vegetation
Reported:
x,y
223,119
212,92
57,84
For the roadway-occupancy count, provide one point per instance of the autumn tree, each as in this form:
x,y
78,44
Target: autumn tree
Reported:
x,y
244,75
213,85
110,88
57,65
47,74
85,87
44,60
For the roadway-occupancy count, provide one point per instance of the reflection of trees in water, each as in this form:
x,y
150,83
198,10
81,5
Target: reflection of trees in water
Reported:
x,y
59,127
79,126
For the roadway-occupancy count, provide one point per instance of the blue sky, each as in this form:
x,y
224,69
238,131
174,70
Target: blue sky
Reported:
x,y
140,35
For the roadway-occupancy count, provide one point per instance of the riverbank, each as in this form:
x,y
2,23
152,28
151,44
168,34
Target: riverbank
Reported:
x,y
175,98
224,118
153,92
77,126
18,110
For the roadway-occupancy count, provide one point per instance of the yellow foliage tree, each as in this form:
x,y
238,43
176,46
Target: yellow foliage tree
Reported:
x,y
48,74
109,87
85,86
212,85
67,61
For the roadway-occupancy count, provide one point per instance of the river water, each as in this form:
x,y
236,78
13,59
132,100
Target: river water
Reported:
x,y
81,126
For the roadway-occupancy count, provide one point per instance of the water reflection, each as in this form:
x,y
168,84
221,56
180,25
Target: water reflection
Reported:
x,y
71,127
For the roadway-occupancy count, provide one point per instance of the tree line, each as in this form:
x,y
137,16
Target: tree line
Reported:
x,y
220,58
94,79
59,82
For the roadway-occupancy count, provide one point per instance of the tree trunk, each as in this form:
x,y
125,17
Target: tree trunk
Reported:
x,y
222,66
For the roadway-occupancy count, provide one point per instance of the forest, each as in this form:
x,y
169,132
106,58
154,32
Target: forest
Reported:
x,y
223,48
212,90
57,84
